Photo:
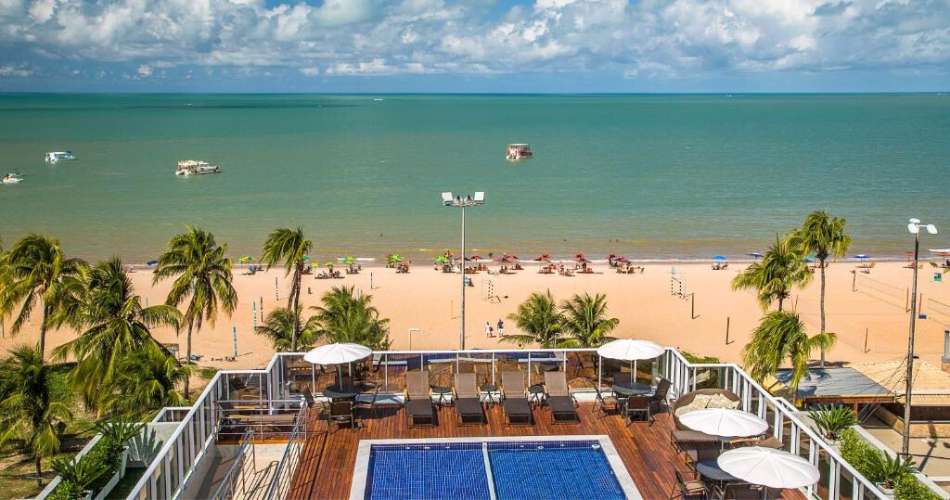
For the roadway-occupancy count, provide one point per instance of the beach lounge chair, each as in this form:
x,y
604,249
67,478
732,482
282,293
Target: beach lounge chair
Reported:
x,y
515,403
467,399
419,407
559,397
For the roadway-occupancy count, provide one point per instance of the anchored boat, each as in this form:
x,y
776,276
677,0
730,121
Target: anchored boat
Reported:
x,y
187,168
58,156
518,152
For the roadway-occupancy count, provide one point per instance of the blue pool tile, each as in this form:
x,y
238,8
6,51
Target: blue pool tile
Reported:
x,y
552,470
452,471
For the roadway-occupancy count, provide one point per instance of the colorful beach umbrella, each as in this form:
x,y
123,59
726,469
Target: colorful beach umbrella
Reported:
x,y
543,258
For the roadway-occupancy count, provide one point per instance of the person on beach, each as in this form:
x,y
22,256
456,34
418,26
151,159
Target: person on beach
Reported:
x,y
488,329
501,328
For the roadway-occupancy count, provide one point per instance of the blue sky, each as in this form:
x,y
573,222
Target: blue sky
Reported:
x,y
475,45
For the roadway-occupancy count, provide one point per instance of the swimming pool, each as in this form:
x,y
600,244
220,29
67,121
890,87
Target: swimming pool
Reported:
x,y
549,467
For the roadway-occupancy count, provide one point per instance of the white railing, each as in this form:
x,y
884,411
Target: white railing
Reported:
x,y
283,475
170,472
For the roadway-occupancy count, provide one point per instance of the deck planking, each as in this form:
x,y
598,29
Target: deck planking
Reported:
x,y
326,464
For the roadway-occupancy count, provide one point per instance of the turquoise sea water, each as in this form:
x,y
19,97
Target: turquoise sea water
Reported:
x,y
649,176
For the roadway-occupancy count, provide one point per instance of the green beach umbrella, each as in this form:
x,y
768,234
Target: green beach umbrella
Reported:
x,y
441,260
246,259
394,258
348,260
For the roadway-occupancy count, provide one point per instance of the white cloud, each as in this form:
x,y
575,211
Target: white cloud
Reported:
x,y
645,39
15,71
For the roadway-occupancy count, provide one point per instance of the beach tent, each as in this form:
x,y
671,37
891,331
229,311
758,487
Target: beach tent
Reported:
x,y
768,467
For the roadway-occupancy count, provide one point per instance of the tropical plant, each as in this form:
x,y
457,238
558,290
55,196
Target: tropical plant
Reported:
x,y
289,247
279,327
31,412
585,318
868,461
346,317
78,475
887,470
115,324
540,319
781,268
782,335
202,277
36,272
823,235
117,434
832,420
149,379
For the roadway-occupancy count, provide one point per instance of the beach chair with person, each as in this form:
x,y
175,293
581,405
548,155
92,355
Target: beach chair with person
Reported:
x,y
515,402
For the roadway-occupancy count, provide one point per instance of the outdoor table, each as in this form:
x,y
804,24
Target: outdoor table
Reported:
x,y
441,392
710,470
337,392
536,394
494,396
632,389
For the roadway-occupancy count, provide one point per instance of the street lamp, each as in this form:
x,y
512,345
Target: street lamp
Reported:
x,y
448,200
913,227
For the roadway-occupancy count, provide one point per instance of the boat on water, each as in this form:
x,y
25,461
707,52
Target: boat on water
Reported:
x,y
518,152
187,168
11,178
58,156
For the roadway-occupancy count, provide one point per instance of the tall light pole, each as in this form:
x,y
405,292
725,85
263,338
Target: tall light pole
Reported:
x,y
913,227
462,202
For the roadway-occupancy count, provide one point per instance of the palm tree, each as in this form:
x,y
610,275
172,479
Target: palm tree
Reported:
x,y
150,379
782,267
344,317
279,327
824,236
115,324
290,248
540,319
781,335
202,278
31,411
36,272
585,318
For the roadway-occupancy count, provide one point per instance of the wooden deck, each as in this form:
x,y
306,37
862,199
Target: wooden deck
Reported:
x,y
327,460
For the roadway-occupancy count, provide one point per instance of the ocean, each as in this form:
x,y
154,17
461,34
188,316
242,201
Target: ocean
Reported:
x,y
648,176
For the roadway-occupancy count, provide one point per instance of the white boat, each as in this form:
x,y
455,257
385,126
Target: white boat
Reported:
x,y
518,152
11,178
57,156
187,168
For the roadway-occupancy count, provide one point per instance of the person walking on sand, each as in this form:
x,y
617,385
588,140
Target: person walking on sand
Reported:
x,y
488,329
501,328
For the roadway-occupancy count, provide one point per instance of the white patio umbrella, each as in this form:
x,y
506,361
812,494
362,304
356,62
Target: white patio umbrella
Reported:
x,y
337,354
724,422
768,467
631,350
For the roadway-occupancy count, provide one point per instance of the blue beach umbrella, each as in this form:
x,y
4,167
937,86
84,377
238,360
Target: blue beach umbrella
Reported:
x,y
719,258
755,255
862,256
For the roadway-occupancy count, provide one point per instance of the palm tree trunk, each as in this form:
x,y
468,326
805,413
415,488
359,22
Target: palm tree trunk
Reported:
x,y
188,358
781,300
43,333
821,302
39,471
292,306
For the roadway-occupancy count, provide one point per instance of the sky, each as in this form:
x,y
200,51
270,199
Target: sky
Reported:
x,y
544,46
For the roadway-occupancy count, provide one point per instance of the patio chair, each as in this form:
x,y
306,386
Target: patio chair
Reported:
x,y
742,491
661,392
690,488
368,403
638,405
419,407
559,397
515,403
606,400
467,399
341,412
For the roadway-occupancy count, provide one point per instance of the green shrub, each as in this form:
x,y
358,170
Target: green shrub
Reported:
x,y
104,457
877,467
832,420
78,475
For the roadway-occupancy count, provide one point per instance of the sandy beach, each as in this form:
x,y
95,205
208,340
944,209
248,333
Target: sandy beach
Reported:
x,y
427,301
